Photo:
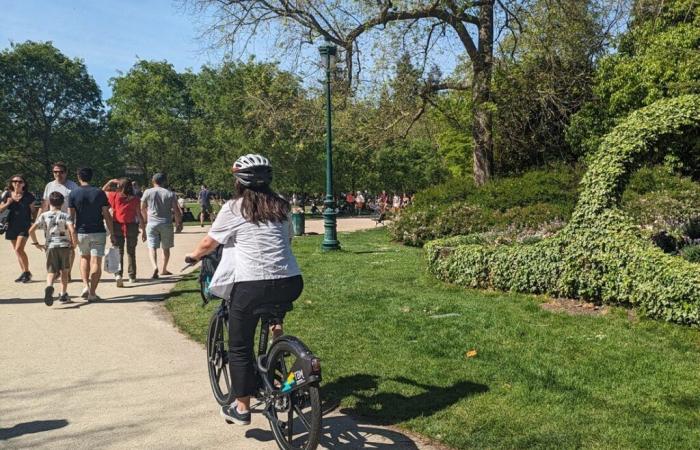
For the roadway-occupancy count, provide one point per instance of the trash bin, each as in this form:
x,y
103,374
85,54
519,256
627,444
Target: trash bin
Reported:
x,y
298,223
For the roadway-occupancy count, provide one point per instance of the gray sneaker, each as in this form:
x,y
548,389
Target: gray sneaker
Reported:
x,y
231,414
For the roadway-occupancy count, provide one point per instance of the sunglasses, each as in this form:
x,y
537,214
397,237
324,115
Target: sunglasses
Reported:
x,y
59,171
18,181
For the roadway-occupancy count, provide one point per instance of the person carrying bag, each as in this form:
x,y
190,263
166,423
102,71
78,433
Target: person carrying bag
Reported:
x,y
128,219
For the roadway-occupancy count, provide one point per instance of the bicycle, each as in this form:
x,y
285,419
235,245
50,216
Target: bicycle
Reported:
x,y
288,375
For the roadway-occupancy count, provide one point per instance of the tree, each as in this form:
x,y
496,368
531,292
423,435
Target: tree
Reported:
x,y
540,83
256,108
657,58
347,25
152,111
50,109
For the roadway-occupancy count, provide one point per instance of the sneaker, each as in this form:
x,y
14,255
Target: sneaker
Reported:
x,y
231,414
48,295
21,278
93,298
27,277
120,281
64,298
132,280
85,293
155,275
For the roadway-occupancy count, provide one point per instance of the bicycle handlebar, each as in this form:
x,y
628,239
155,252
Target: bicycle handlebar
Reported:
x,y
189,262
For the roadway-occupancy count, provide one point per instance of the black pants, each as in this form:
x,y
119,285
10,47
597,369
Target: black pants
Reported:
x,y
246,297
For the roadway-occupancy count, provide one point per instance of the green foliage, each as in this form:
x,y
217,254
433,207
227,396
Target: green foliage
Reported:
x,y
50,110
657,58
600,255
545,81
152,110
511,208
255,107
691,253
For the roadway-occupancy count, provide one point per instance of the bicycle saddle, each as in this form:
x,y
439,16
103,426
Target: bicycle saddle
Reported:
x,y
273,309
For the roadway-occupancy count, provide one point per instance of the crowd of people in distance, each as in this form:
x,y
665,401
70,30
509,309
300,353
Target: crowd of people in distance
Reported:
x,y
81,216
355,203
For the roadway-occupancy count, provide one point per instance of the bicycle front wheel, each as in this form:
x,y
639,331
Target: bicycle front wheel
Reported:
x,y
217,359
295,417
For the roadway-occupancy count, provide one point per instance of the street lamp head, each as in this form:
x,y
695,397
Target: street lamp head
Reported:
x,y
328,53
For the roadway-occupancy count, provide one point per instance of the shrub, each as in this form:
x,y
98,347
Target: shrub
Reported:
x,y
524,203
691,253
600,255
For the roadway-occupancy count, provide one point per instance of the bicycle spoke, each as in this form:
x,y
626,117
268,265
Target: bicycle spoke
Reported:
x,y
302,418
290,422
224,368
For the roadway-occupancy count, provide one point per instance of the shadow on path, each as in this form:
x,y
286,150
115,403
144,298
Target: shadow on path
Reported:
x,y
344,432
363,426
36,426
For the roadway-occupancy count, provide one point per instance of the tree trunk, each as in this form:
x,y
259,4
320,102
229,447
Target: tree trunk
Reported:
x,y
481,96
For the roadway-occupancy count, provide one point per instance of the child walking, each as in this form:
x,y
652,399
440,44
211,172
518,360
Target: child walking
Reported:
x,y
60,242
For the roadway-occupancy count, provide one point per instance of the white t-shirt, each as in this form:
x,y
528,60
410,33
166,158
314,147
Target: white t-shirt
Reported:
x,y
251,252
55,226
55,186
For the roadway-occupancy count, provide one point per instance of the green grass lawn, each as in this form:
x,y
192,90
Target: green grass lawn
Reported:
x,y
393,340
195,208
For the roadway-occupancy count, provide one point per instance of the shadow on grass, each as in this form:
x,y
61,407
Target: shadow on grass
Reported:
x,y
36,426
390,408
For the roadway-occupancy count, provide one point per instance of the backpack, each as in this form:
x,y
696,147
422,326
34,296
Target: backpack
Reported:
x,y
206,273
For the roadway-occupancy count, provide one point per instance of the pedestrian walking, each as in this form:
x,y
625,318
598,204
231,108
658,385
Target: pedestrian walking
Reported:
x,y
204,200
396,203
159,206
128,219
63,185
19,203
89,210
59,243
359,202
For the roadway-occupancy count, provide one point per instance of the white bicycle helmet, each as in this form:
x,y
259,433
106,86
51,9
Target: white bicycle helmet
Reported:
x,y
252,170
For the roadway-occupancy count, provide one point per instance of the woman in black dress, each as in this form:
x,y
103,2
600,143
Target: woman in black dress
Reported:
x,y
20,203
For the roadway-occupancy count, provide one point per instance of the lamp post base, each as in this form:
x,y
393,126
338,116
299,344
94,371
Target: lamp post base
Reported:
x,y
330,237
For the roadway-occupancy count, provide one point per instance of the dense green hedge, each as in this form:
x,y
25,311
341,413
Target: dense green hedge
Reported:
x,y
535,202
600,255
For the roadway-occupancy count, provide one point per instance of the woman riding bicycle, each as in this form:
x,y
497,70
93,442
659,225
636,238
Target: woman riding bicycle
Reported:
x,y
257,268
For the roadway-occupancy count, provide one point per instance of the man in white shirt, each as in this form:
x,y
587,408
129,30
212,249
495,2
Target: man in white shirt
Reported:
x,y
61,184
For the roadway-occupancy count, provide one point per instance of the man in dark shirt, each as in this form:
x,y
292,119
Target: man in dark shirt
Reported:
x,y
204,200
89,209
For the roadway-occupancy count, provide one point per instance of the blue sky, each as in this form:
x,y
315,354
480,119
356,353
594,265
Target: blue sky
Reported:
x,y
109,35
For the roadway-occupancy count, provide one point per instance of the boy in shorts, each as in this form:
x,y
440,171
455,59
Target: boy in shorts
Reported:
x,y
58,229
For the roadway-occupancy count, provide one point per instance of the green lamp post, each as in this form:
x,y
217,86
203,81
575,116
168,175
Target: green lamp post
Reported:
x,y
330,238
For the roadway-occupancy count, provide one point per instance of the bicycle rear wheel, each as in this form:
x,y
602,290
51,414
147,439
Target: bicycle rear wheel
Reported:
x,y
217,358
296,417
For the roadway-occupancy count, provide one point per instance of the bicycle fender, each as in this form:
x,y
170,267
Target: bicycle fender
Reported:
x,y
307,368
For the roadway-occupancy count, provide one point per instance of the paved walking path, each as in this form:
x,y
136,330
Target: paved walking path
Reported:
x,y
117,374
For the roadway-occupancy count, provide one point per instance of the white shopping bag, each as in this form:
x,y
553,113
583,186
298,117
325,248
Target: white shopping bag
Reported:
x,y
112,260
